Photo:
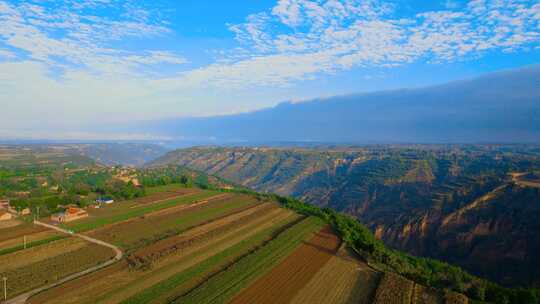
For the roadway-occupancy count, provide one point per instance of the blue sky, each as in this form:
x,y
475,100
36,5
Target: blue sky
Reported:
x,y
68,64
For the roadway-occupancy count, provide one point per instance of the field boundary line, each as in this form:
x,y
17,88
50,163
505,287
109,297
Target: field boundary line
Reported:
x,y
156,212
162,200
21,299
184,207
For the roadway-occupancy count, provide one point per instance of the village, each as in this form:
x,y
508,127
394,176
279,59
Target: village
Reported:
x,y
69,213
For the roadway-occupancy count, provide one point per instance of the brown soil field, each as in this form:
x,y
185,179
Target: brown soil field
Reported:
x,y
194,255
9,224
19,231
29,238
129,282
201,233
46,271
394,289
283,282
39,253
344,279
171,210
121,207
141,231
77,284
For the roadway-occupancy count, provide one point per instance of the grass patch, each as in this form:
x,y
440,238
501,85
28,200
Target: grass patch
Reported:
x,y
159,189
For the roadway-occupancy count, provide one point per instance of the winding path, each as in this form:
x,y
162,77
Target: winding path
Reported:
x,y
20,299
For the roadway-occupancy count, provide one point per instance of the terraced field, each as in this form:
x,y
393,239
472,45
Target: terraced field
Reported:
x,y
12,238
353,281
220,232
198,246
49,263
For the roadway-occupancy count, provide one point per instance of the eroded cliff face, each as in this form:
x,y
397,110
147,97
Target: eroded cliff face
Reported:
x,y
453,204
496,238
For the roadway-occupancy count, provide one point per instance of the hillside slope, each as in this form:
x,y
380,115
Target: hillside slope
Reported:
x,y
453,203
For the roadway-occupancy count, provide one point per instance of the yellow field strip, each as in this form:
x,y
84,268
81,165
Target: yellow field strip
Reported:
x,y
29,238
174,266
39,253
128,282
342,280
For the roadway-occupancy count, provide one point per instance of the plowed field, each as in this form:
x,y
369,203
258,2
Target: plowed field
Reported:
x,y
282,283
344,279
204,242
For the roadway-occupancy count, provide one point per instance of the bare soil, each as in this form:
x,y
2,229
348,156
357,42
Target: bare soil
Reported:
x,y
97,287
344,279
284,281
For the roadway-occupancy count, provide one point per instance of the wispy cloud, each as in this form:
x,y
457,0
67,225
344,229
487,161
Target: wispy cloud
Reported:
x,y
67,58
299,39
70,34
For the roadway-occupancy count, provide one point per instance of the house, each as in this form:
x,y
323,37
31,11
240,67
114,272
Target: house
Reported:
x,y
105,200
5,216
25,211
4,204
70,214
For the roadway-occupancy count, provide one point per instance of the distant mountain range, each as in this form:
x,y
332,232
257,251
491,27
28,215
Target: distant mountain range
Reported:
x,y
106,153
498,107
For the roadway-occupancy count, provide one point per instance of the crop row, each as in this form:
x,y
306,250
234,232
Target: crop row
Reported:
x,y
129,282
136,212
19,231
178,284
52,269
226,283
31,244
144,232
394,289
150,254
283,282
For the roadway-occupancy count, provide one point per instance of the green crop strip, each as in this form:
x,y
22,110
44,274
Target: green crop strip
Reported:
x,y
32,244
224,285
175,285
102,221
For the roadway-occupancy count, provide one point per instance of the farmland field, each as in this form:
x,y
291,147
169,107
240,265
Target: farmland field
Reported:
x,y
49,263
143,231
19,231
394,289
225,284
200,246
32,238
283,282
224,233
353,281
123,211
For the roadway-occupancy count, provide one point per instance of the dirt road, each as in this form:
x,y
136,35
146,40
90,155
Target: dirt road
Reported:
x,y
20,299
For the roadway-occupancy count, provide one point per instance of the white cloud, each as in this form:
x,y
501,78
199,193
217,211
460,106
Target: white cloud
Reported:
x,y
298,39
68,38
61,63
5,54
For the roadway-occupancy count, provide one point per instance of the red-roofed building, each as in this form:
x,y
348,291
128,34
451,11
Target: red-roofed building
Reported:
x,y
70,214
